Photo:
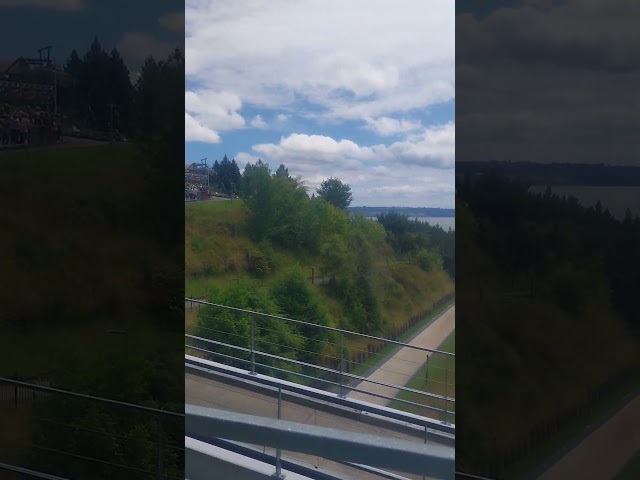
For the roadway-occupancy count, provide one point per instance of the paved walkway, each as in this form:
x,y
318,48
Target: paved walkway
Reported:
x,y
406,362
604,452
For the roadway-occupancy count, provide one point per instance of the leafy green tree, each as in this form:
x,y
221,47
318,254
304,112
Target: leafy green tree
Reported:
x,y
428,260
335,257
271,336
296,300
336,193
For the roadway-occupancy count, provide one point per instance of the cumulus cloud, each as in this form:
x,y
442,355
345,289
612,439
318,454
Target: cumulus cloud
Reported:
x,y
195,132
215,110
432,148
65,5
258,122
386,126
277,53
553,79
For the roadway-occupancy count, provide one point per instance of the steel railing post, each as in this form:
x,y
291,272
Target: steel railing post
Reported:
x,y
341,364
160,451
446,390
253,350
278,473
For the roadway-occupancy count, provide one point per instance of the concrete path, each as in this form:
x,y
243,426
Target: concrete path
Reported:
x,y
605,451
406,362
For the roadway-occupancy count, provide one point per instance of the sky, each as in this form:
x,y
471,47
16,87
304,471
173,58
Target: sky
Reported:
x,y
548,81
137,29
361,90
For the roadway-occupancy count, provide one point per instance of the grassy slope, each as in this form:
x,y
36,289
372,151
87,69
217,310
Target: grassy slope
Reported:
x,y
502,336
31,182
53,284
216,245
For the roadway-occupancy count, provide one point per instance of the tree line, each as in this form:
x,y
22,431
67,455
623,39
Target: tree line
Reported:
x,y
549,288
103,96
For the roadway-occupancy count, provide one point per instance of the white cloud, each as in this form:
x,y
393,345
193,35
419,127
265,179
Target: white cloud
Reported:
x,y
195,132
258,122
433,148
273,54
386,126
377,175
215,110
282,117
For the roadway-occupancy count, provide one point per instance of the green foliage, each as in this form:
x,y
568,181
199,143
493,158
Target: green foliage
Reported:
x,y
428,260
258,263
226,177
336,259
543,278
93,429
295,299
336,193
102,93
408,238
281,211
271,336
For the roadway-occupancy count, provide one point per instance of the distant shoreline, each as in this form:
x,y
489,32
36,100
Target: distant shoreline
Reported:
x,y
408,211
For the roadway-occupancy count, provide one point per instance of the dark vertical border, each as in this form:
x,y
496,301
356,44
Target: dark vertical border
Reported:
x,y
548,189
92,249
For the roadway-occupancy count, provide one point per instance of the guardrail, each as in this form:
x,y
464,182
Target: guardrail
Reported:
x,y
333,371
343,446
214,371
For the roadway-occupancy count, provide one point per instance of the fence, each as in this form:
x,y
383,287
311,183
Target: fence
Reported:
x,y
74,435
18,395
544,431
325,357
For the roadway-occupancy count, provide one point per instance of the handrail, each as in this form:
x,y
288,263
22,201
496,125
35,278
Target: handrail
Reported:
x,y
330,443
322,327
318,367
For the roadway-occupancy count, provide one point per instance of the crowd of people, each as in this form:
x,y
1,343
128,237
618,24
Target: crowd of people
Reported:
x,y
28,125
195,192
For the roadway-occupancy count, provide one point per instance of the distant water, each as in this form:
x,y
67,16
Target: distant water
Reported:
x,y
616,199
444,222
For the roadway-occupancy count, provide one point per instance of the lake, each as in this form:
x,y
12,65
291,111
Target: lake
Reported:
x,y
444,222
616,199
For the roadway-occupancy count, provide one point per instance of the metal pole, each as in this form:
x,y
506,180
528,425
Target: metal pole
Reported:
x,y
278,473
341,363
55,91
446,390
253,352
160,451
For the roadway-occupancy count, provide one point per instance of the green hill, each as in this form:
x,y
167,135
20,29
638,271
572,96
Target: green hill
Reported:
x,y
219,252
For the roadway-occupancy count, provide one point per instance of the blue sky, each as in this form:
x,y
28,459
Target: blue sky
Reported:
x,y
137,29
359,90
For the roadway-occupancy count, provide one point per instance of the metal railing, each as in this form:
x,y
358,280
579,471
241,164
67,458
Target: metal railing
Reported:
x,y
331,365
302,394
71,434
339,445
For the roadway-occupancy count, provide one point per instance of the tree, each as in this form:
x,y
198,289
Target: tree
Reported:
x,y
282,171
336,193
227,176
